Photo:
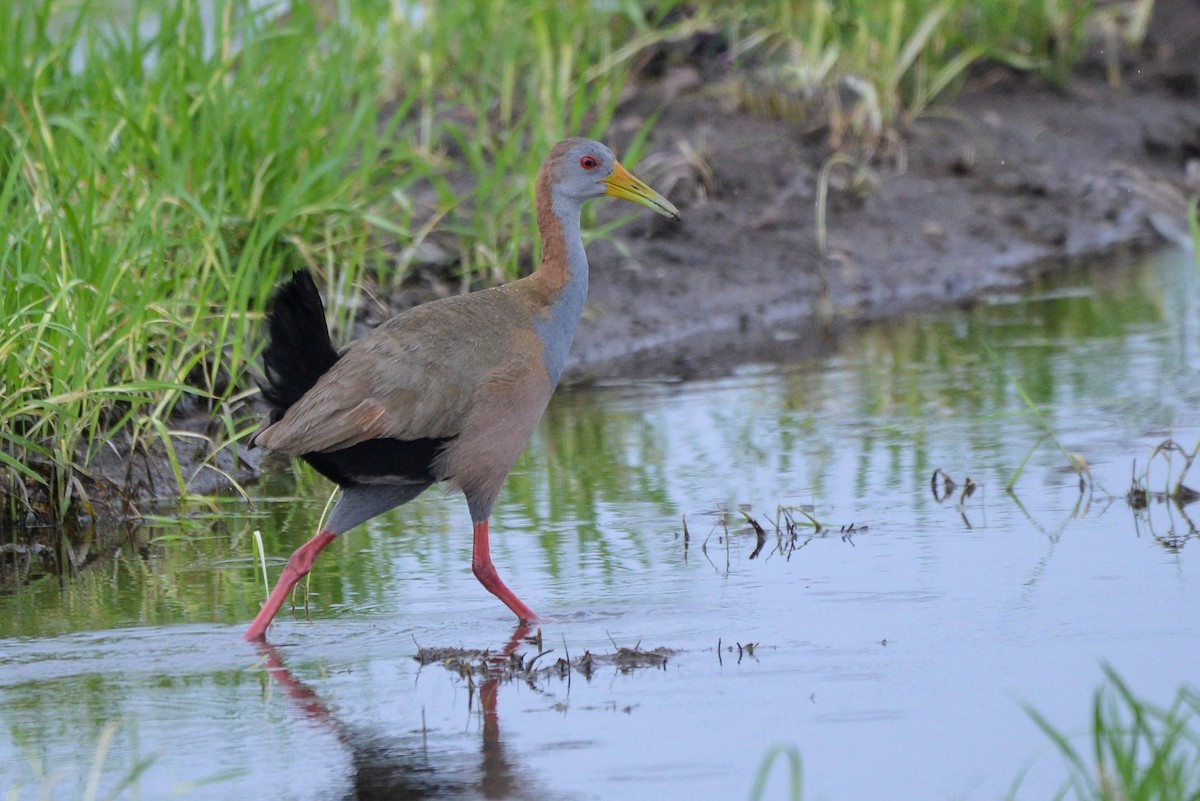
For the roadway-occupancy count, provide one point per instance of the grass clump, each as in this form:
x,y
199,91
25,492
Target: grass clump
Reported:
x,y
161,171
1136,751
867,67
155,184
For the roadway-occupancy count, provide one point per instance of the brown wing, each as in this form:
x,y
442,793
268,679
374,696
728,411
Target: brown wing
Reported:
x,y
414,377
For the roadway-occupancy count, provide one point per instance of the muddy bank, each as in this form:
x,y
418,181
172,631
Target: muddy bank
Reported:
x,y
1010,180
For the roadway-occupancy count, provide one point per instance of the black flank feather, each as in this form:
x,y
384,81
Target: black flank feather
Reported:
x,y
386,458
298,350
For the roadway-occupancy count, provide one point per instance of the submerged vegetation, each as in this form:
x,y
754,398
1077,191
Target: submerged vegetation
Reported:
x,y
159,174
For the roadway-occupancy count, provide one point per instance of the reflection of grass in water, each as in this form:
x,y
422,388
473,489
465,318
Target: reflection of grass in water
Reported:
x,y
130,573
50,780
1076,461
1140,493
1194,226
585,458
92,777
201,562
1135,750
920,372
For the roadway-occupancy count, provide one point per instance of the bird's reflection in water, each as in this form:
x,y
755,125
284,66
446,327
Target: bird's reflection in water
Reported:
x,y
401,768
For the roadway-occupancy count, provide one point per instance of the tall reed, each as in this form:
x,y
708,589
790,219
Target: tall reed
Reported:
x,y
155,183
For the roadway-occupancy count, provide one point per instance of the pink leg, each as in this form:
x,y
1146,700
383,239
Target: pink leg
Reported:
x,y
485,571
296,569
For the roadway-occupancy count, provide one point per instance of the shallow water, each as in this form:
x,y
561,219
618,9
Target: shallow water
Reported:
x,y
897,657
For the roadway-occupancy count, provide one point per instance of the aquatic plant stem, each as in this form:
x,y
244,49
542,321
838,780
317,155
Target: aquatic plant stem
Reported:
x,y
1075,460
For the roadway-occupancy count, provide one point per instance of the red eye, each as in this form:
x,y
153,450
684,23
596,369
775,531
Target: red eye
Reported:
x,y
589,162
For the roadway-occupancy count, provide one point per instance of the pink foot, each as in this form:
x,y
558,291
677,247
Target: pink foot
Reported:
x,y
296,568
485,571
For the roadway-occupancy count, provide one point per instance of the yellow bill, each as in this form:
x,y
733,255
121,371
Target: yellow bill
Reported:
x,y
623,184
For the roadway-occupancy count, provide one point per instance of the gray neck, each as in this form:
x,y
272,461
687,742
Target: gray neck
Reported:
x,y
558,330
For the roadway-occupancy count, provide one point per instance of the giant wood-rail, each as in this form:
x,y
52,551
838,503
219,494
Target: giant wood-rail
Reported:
x,y
448,391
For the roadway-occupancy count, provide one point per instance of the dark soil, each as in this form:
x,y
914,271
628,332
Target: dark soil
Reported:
x,y
1010,180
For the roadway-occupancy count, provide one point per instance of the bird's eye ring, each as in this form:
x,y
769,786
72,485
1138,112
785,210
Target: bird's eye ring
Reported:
x,y
589,162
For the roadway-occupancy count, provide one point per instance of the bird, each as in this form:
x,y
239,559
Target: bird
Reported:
x,y
449,391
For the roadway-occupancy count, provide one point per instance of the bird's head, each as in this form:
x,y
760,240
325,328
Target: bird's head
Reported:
x,y
584,168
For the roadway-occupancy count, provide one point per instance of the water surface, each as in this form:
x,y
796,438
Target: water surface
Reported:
x,y
895,649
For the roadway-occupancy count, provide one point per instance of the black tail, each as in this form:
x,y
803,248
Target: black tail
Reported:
x,y
298,350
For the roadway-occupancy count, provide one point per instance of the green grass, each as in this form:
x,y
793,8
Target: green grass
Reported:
x,y
1134,751
157,178
795,773
872,66
1194,226
156,184
147,210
